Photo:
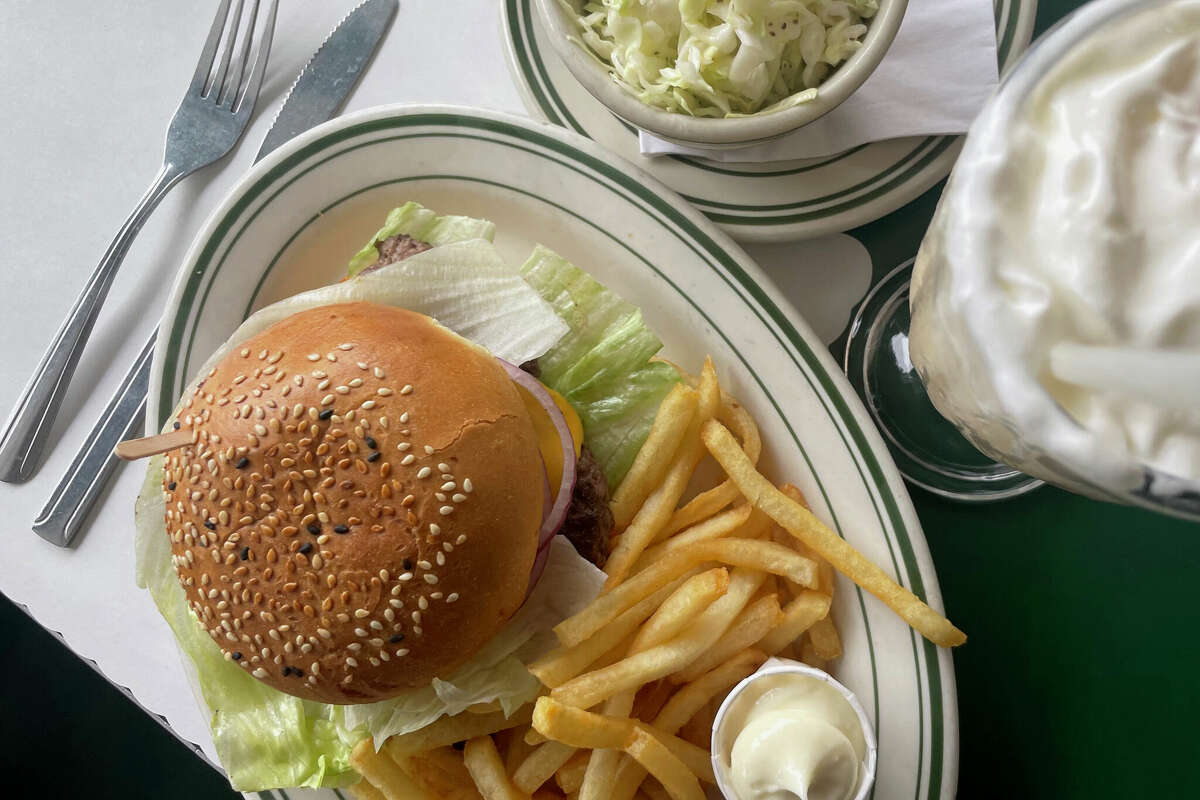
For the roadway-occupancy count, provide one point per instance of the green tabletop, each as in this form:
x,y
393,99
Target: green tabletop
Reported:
x,y
1078,679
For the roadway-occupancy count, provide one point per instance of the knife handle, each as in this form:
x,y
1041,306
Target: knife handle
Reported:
x,y
72,500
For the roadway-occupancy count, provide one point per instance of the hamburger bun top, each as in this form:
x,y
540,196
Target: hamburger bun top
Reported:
x,y
359,510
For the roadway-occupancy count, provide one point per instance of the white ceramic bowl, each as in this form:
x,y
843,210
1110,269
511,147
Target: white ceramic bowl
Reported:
x,y
784,666
710,133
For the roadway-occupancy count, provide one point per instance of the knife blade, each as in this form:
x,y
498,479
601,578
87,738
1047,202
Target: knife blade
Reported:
x,y
331,73
315,97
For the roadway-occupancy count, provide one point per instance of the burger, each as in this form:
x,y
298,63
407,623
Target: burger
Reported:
x,y
394,487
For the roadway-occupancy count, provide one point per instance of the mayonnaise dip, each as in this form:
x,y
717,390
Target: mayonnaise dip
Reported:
x,y
791,735
1056,297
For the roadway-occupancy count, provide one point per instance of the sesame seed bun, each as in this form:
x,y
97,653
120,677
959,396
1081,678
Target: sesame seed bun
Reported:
x,y
360,508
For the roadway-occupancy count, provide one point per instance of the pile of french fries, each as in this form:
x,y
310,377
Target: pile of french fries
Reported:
x,y
699,594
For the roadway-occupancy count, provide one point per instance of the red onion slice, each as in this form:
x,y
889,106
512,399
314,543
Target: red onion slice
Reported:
x,y
562,500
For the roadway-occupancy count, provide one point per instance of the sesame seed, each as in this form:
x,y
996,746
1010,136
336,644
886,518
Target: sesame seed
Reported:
x,y
435,529
452,597
383,391
314,357
402,446
306,548
341,529
440,558
422,603
449,486
171,486
326,414
371,443
374,456
327,400
443,467
458,498
402,652
425,472
210,524
394,603
259,673
245,554
324,634
431,578
424,564
331,357
399,637
236,655
242,463
468,487
378,372
446,511
361,633
404,577
461,539
428,450
342,389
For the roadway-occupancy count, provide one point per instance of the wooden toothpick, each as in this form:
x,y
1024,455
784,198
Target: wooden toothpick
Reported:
x,y
134,449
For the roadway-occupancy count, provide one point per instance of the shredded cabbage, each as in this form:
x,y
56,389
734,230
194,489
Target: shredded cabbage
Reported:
x,y
722,58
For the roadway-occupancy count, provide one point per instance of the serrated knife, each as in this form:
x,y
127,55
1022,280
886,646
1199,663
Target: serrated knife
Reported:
x,y
315,97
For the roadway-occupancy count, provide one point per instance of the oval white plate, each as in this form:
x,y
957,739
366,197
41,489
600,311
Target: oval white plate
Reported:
x,y
783,201
295,219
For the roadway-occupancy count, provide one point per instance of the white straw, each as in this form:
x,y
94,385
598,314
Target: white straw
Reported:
x,y
1167,378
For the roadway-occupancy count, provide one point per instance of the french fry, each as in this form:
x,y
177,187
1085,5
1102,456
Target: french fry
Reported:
x,y
570,775
825,640
581,728
635,670
801,523
384,774
441,773
563,663
363,790
546,793
681,607
765,556
653,790
541,764
671,422
657,759
710,502
723,524
692,698
755,622
810,656
698,729
651,698
482,760
798,616
656,511
757,526
448,730
515,748
597,778
824,571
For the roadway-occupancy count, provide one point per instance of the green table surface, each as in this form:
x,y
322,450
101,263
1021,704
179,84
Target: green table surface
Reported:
x,y
1079,678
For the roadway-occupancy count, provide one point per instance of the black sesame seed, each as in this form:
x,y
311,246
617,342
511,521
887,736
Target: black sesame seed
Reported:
x,y
314,529
399,637
371,443
171,486
245,554
176,424
286,670
242,462
299,673
211,524
340,529
459,745
374,456
306,548
326,414
236,655
407,563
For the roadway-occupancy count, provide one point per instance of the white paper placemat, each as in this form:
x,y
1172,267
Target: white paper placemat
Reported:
x,y
934,80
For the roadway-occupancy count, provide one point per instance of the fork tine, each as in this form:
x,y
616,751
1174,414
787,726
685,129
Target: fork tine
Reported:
x,y
218,81
238,68
204,65
249,93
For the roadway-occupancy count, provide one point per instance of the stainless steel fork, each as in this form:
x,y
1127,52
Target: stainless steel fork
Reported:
x,y
210,120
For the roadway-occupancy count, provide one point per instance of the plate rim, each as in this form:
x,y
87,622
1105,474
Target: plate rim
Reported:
x,y
880,476
927,162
